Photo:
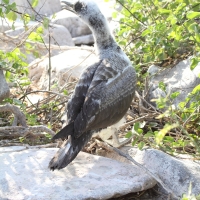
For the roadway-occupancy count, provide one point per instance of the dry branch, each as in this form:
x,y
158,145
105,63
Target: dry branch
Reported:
x,y
150,115
19,131
19,116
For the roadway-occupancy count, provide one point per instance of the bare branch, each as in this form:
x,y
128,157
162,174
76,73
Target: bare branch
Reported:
x,y
16,111
19,131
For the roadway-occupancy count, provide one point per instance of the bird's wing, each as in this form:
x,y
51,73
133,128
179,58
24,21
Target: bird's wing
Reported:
x,y
107,100
75,104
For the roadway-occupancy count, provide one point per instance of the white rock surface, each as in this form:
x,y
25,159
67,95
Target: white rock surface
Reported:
x,y
5,24
25,175
70,63
4,88
176,174
44,7
59,34
180,78
85,39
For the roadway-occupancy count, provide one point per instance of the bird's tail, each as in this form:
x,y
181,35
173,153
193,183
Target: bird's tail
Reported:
x,y
65,132
69,149
64,155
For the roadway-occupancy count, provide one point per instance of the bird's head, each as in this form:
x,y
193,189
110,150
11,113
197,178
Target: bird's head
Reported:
x,y
87,10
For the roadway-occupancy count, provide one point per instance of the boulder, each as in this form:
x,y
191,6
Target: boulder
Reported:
x,y
6,25
24,174
178,79
70,63
4,88
43,8
59,34
175,173
72,22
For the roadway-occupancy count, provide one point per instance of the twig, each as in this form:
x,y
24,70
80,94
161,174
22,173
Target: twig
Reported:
x,y
130,12
49,72
139,96
17,131
151,115
44,91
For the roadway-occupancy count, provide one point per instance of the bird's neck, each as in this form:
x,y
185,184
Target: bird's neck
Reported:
x,y
102,35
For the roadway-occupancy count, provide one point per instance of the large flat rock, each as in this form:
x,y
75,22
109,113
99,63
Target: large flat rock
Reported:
x,y
24,174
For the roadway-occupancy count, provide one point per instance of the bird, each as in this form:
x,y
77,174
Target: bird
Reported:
x,y
104,91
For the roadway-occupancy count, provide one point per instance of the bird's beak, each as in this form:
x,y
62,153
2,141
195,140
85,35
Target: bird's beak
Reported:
x,y
68,6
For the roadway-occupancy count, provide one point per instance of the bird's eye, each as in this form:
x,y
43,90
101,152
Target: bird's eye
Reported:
x,y
78,7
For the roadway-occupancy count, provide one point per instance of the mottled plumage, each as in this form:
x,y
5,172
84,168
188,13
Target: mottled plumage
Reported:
x,y
104,92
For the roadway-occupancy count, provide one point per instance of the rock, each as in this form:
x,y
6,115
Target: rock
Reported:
x,y
24,174
59,34
43,8
70,63
5,24
176,174
85,39
4,88
80,32
180,78
72,22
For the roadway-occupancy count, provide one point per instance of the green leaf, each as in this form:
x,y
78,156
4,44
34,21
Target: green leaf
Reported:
x,y
46,22
17,101
65,92
149,134
141,145
197,37
192,15
12,16
194,63
128,135
6,1
162,86
196,89
136,126
164,11
21,139
140,131
40,30
147,31
34,3
135,141
114,15
153,124
164,131
174,95
13,6
169,138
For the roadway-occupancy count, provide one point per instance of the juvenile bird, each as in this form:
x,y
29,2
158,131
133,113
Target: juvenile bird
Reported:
x,y
104,92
